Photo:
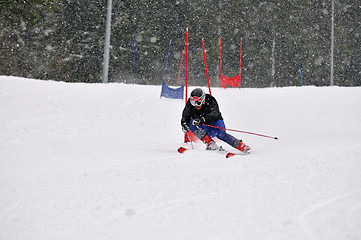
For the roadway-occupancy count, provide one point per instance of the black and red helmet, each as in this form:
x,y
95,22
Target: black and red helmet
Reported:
x,y
197,97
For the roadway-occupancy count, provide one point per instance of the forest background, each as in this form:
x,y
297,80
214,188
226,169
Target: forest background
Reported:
x,y
63,40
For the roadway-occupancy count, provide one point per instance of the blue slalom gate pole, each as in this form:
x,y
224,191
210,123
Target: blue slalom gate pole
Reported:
x,y
134,57
166,62
301,76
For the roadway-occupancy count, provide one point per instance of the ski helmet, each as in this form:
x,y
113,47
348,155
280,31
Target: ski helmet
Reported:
x,y
197,97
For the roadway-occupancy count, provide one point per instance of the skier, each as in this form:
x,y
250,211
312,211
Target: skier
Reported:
x,y
202,109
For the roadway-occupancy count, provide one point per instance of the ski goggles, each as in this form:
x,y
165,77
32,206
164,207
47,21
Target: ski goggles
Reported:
x,y
197,101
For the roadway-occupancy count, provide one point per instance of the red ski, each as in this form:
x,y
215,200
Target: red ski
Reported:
x,y
228,155
182,149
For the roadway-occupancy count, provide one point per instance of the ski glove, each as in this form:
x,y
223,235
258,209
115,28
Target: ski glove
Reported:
x,y
185,128
198,121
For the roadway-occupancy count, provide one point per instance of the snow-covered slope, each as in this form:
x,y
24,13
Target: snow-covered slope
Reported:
x,y
99,161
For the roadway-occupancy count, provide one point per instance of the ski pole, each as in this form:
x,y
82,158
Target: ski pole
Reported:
x,y
261,135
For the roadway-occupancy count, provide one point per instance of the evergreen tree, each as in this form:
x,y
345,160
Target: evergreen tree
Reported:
x,y
21,43
64,40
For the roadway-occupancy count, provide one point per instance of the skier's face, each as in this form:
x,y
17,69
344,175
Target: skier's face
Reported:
x,y
198,107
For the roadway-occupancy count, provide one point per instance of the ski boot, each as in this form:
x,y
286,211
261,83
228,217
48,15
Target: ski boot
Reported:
x,y
243,147
211,145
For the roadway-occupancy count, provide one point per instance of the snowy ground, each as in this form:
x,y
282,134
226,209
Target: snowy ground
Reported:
x,y
99,161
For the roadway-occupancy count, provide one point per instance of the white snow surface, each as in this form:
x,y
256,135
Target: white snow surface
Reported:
x,y
99,161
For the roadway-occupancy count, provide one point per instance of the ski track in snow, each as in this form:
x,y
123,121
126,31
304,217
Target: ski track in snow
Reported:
x,y
341,212
99,161
9,209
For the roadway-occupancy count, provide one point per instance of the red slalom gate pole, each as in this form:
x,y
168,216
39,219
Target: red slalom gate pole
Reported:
x,y
240,63
186,97
261,135
205,65
220,58
186,136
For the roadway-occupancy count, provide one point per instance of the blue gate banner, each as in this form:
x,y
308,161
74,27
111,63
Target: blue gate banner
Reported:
x,y
168,92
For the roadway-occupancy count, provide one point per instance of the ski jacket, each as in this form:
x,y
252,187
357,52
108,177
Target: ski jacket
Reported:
x,y
210,111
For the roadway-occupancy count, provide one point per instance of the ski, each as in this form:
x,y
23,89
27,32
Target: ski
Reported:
x,y
228,154
182,149
231,154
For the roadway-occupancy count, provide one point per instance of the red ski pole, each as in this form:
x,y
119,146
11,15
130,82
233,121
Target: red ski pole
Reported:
x,y
261,135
